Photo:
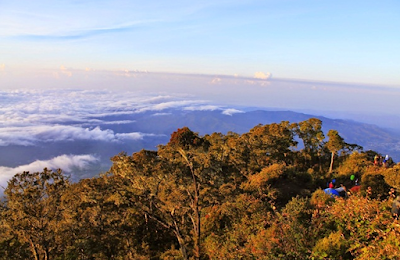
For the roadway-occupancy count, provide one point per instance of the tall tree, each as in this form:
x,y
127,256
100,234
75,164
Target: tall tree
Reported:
x,y
173,184
334,145
310,131
33,210
102,222
268,144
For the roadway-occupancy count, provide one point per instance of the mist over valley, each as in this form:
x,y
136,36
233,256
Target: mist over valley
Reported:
x,y
80,130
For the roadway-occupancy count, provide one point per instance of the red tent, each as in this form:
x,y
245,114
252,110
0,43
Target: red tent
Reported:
x,y
355,189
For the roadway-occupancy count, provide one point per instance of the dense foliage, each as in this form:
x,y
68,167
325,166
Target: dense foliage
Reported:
x,y
251,196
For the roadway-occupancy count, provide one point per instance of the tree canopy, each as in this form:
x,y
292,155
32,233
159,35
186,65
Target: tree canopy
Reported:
x,y
255,195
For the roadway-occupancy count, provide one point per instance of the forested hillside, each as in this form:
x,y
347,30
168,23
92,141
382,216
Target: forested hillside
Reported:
x,y
254,195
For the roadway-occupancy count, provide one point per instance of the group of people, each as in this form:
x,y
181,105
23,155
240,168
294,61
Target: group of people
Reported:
x,y
386,162
341,190
334,191
382,161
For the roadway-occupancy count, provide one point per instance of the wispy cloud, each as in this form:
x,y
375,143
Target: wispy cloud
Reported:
x,y
32,135
168,105
231,111
69,21
67,163
37,107
216,80
80,34
133,136
224,111
65,71
262,75
29,117
203,108
161,114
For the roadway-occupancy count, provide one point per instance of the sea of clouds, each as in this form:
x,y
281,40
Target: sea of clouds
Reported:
x,y
95,108
36,118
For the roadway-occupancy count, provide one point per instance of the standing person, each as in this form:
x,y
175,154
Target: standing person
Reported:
x,y
376,160
385,160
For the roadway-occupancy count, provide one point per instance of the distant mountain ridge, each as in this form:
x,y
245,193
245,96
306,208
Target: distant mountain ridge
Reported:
x,y
157,127
206,122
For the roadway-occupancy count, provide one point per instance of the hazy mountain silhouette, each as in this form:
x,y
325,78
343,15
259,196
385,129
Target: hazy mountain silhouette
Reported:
x,y
205,122
162,125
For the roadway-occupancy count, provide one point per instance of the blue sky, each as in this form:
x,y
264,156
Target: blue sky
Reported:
x,y
339,41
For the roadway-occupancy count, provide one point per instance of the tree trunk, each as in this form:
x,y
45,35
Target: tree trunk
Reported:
x,y
197,230
34,250
320,165
175,228
47,255
181,243
331,166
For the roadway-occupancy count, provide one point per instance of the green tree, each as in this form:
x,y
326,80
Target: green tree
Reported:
x,y
33,210
235,227
172,185
310,131
103,224
10,246
268,144
334,144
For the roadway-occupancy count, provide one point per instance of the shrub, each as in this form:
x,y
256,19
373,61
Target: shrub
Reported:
x,y
392,176
319,199
374,185
355,164
332,246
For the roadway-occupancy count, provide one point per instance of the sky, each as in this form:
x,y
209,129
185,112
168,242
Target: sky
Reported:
x,y
336,41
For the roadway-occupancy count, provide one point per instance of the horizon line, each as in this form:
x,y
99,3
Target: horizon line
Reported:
x,y
269,78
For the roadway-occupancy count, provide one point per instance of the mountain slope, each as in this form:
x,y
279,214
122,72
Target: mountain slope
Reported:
x,y
205,122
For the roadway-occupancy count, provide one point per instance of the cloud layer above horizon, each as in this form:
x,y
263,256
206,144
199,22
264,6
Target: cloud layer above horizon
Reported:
x,y
102,108
28,117
49,119
65,162
156,91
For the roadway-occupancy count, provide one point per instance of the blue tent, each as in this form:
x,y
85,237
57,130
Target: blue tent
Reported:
x,y
332,192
